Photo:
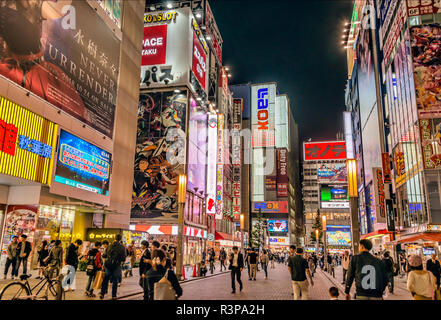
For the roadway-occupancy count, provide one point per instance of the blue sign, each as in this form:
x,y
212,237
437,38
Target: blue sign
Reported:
x,y
82,165
35,146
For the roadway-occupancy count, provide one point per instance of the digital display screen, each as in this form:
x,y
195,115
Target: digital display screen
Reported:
x,y
428,251
82,165
277,226
331,173
334,196
338,235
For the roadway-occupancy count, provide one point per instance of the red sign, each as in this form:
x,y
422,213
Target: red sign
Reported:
x,y
213,32
381,196
417,8
199,61
8,137
154,45
282,173
329,150
386,167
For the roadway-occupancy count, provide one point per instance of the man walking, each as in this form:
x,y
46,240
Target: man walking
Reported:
x,y
298,267
11,259
389,268
236,267
252,261
24,249
72,260
369,273
433,266
222,258
145,263
345,265
116,255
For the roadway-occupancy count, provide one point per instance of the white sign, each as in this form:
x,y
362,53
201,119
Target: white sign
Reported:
x,y
335,205
279,241
211,164
263,100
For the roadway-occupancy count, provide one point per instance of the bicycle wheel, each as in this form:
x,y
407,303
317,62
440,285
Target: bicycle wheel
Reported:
x,y
15,291
54,291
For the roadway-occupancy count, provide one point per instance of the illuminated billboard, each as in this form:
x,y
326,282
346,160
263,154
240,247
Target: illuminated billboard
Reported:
x,y
277,226
271,206
327,150
334,196
82,165
338,235
27,143
211,164
263,100
331,173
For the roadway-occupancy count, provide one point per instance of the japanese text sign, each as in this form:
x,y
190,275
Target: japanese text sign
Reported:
x,y
329,150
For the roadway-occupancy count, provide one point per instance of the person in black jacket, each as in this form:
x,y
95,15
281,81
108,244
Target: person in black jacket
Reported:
x,y
433,266
24,249
369,274
158,271
236,267
145,264
389,267
115,257
72,260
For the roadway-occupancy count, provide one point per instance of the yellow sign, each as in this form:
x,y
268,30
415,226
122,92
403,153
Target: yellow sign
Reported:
x,y
160,17
27,143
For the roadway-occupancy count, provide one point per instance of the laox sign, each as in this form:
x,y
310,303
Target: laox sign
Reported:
x,y
262,106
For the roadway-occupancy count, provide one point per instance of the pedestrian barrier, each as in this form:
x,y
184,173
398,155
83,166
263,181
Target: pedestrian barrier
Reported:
x,y
183,272
194,271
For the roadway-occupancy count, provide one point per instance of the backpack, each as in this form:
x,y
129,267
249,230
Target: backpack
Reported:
x,y
91,256
112,258
163,289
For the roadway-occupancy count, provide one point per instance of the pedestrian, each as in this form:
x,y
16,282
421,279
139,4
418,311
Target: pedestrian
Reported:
x,y
433,266
222,258
155,245
73,260
298,268
168,263
11,259
252,261
24,249
157,272
54,260
115,257
345,265
145,264
94,264
271,259
369,273
43,252
264,260
389,267
311,265
203,269
51,245
211,258
173,257
420,283
333,293
236,267
131,254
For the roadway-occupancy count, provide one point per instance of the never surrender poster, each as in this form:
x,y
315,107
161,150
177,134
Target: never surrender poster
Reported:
x,y
63,52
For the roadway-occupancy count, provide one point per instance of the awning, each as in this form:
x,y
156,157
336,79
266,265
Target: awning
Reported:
x,y
375,234
425,236
223,236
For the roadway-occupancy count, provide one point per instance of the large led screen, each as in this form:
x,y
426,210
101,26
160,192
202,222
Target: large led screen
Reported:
x,y
82,165
331,172
334,196
277,226
338,235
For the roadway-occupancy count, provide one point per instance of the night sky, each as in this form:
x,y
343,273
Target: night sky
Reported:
x,y
298,45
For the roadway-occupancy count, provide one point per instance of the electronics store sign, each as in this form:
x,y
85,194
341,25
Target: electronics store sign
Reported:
x,y
271,207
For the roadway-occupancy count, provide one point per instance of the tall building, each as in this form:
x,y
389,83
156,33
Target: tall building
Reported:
x,y
325,192
392,66
67,118
270,166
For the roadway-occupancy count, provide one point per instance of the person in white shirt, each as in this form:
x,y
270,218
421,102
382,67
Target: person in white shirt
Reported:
x,y
420,283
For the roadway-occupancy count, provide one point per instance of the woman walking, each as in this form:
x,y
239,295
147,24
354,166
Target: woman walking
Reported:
x,y
55,259
264,260
420,283
158,271
43,252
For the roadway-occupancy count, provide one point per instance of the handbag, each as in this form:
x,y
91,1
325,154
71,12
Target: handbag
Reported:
x,y
163,289
90,269
98,282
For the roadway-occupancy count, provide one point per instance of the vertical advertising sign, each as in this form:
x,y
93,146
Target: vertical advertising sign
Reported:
x,y
263,100
220,172
199,61
236,157
379,195
387,175
211,164
154,45
213,32
282,173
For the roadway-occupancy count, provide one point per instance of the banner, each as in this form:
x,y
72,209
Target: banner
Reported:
x,y
282,173
379,195
211,164
387,175
332,173
75,69
263,100
328,150
161,131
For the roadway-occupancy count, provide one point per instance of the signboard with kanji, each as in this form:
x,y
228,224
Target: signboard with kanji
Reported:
x,y
327,150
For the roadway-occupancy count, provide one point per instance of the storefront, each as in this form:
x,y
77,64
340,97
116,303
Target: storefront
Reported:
x,y
379,238
423,244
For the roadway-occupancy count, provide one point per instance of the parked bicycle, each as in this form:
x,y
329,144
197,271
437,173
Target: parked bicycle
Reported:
x,y
45,289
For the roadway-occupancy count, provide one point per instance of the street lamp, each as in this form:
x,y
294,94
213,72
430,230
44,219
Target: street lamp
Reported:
x,y
242,224
317,239
351,165
182,190
325,251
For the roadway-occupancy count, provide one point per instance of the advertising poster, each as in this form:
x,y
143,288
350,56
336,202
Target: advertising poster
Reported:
x,y
380,198
282,173
197,149
271,206
334,196
220,167
211,164
431,142
338,235
327,150
168,33
332,173
263,100
270,183
160,154
421,7
277,226
387,174
199,61
75,69
113,9
426,58
82,165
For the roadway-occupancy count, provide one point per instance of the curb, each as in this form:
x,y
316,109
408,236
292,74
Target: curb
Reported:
x,y
184,281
